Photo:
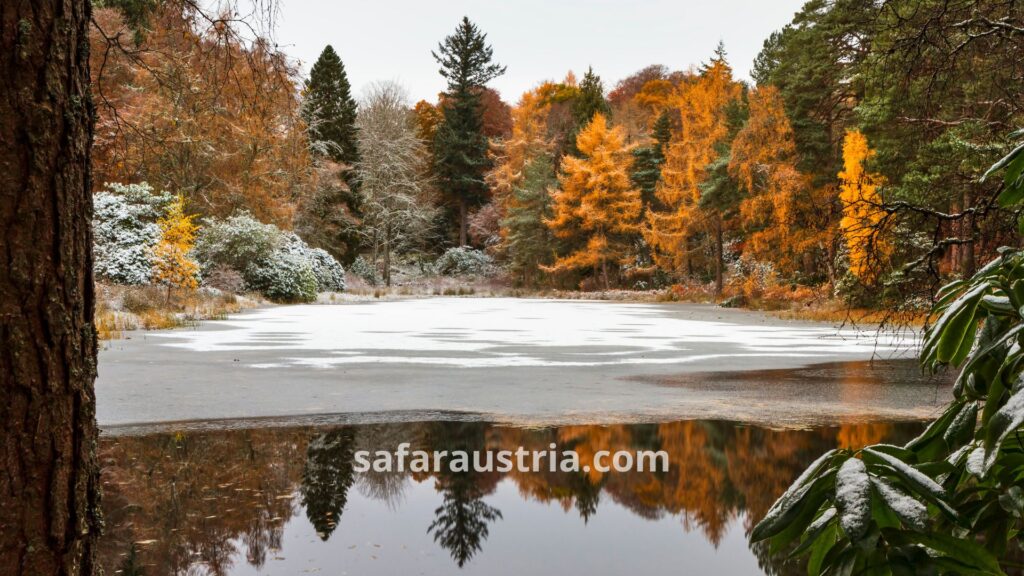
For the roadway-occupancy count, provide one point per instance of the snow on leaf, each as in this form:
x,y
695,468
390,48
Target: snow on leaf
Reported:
x,y
822,520
772,522
910,511
976,462
913,475
853,498
1005,421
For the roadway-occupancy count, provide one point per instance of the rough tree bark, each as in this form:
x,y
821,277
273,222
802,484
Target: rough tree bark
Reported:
x,y
719,256
463,223
49,493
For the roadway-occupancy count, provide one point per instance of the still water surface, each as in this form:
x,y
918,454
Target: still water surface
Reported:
x,y
285,500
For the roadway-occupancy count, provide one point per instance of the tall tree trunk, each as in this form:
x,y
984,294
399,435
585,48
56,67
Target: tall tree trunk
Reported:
x,y
719,256
955,256
967,250
49,493
463,224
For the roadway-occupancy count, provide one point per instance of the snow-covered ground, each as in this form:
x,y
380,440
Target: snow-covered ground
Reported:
x,y
500,358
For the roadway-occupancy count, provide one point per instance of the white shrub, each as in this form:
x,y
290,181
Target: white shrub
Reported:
x,y
236,242
125,231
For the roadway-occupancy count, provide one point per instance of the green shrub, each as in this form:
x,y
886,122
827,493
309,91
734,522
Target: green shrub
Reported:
x,y
283,277
330,275
363,269
236,242
464,261
270,261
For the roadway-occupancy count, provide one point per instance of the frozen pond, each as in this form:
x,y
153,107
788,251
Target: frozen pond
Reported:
x,y
500,359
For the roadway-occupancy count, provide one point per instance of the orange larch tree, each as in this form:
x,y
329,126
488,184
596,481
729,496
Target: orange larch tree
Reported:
x,y
864,217
701,104
596,207
528,139
787,221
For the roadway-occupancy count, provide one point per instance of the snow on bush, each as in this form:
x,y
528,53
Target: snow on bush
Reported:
x,y
270,261
236,242
363,269
330,275
125,231
464,261
283,277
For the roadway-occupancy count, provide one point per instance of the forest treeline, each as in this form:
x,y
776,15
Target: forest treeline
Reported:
x,y
851,165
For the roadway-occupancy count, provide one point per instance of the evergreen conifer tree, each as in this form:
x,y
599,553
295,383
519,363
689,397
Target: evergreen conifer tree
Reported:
x,y
647,161
528,240
328,218
590,101
460,147
329,109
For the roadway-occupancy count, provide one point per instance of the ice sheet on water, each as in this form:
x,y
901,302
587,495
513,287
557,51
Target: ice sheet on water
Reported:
x,y
509,332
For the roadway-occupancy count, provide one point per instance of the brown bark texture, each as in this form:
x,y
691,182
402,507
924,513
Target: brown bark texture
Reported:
x,y
49,492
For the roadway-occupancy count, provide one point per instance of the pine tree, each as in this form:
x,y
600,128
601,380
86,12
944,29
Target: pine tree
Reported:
x,y
460,147
329,109
647,161
590,101
527,240
328,218
596,206
720,193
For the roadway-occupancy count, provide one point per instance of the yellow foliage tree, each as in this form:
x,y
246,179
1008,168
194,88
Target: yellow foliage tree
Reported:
x,y
863,216
172,264
529,139
786,219
596,206
701,103
655,96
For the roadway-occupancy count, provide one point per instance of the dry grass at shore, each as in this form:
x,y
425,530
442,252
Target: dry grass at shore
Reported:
x,y
120,309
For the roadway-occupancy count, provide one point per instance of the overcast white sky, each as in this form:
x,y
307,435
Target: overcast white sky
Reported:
x,y
537,39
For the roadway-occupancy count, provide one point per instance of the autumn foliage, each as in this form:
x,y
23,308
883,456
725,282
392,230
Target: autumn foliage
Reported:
x,y
197,112
785,218
172,264
700,104
863,213
596,208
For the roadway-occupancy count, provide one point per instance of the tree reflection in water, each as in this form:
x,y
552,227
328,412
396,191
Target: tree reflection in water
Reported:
x,y
206,502
327,477
461,522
